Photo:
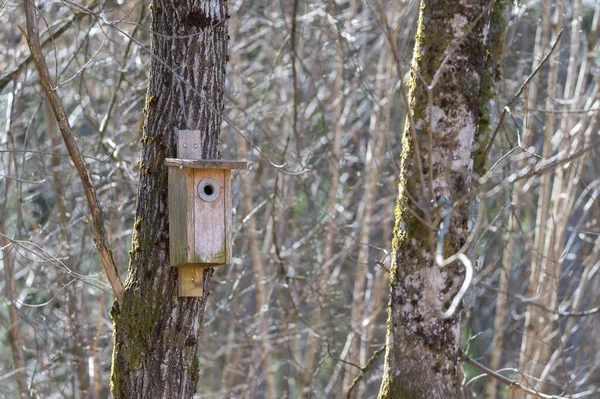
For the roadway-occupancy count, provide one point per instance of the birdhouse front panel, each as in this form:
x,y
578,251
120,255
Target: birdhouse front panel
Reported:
x,y
200,216
211,206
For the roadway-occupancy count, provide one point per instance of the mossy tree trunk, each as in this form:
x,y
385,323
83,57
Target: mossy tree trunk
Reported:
x,y
155,332
439,149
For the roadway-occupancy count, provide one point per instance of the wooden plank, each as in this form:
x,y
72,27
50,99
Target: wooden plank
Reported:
x,y
178,217
190,283
189,207
228,216
211,244
189,144
189,276
206,163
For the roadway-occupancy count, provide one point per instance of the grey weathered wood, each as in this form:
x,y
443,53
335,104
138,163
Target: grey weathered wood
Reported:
x,y
200,232
181,216
178,225
190,194
189,275
228,215
206,163
189,144
209,219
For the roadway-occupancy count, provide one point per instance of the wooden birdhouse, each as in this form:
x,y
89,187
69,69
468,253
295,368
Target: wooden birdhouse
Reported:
x,y
199,212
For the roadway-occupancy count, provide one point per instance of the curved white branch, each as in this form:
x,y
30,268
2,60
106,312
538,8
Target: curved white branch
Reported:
x,y
463,289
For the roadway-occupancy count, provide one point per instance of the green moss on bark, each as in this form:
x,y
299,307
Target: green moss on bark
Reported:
x,y
422,348
492,75
135,322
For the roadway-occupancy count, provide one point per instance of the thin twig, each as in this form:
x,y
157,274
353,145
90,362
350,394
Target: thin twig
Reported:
x,y
505,380
12,75
364,369
294,55
532,302
485,185
97,220
339,359
519,92
180,80
117,86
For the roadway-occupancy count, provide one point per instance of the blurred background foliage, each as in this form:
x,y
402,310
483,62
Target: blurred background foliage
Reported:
x,y
311,86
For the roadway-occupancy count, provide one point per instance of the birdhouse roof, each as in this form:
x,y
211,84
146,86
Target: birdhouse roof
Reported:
x,y
206,163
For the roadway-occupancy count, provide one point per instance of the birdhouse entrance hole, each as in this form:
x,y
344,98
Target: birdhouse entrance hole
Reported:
x,y
209,190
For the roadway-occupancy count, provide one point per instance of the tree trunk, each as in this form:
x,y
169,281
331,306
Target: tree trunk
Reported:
x,y
156,332
436,169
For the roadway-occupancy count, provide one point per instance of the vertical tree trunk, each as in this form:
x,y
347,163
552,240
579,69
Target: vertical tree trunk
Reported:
x,y
436,168
156,333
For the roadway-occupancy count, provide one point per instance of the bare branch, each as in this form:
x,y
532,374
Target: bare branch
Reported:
x,y
511,383
364,370
12,75
520,91
97,222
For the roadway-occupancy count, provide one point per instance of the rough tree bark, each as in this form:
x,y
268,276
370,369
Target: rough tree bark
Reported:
x,y
445,92
155,332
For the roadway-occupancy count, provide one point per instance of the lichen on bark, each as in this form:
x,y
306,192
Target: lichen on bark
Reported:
x,y
492,75
422,348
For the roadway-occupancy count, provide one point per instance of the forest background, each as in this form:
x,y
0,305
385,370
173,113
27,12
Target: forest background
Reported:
x,y
312,86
